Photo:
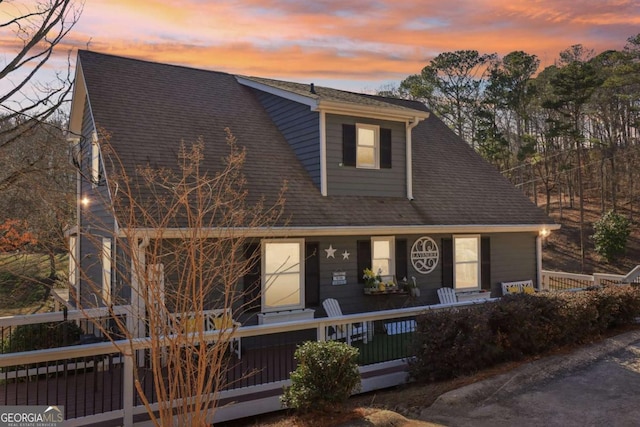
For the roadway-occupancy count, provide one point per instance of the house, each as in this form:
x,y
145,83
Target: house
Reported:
x,y
373,182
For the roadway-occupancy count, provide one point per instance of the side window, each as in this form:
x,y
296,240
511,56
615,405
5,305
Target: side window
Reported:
x,y
282,274
106,271
466,262
383,255
95,159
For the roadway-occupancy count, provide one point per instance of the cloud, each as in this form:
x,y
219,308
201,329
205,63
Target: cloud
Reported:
x,y
358,40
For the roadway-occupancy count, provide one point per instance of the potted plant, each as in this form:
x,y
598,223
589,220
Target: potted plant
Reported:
x,y
413,288
372,281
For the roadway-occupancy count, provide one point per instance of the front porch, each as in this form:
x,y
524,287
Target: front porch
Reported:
x,y
95,382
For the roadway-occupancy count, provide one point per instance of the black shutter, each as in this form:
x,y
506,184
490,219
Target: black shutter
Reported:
x,y
312,274
385,148
485,265
401,259
364,257
252,278
348,145
447,262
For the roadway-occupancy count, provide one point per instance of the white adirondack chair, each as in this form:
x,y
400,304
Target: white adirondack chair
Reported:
x,y
350,331
447,296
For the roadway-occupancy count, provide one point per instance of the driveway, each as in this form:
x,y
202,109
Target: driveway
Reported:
x,y
597,385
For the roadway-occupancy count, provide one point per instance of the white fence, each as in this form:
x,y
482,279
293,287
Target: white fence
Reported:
x,y
558,281
93,365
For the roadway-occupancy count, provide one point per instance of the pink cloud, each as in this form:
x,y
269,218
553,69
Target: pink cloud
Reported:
x,y
347,39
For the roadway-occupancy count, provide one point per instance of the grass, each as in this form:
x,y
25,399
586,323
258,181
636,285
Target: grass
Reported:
x,y
383,348
24,282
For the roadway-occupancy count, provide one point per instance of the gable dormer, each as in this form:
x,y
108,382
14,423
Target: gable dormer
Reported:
x,y
349,143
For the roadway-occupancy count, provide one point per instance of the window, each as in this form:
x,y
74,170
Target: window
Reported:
x,y
282,274
466,262
73,264
95,160
382,255
366,146
106,270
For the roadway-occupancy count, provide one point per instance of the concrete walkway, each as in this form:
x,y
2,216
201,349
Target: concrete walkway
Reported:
x,y
597,385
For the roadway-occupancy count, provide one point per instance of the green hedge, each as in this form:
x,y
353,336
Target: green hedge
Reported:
x,y
451,343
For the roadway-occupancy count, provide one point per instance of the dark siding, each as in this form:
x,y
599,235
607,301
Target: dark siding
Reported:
x,y
300,127
349,180
513,257
96,221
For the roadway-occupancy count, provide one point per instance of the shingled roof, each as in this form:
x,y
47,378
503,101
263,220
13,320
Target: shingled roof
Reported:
x,y
149,108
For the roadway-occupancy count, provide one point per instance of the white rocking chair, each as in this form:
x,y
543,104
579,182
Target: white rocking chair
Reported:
x,y
350,331
447,296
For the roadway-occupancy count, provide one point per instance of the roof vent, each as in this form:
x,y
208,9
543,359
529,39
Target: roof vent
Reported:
x,y
312,89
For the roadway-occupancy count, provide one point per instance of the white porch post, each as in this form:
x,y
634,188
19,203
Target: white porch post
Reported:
x,y
539,261
138,308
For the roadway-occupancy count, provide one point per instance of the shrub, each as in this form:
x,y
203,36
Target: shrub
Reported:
x,y
524,325
40,336
326,375
450,343
610,235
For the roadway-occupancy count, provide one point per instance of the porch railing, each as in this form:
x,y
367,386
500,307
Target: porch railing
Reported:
x,y
94,382
559,281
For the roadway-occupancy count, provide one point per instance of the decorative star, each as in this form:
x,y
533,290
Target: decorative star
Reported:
x,y
345,255
331,253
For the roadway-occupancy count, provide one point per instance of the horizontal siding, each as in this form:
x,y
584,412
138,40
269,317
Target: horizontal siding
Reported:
x,y
300,127
346,180
96,219
513,257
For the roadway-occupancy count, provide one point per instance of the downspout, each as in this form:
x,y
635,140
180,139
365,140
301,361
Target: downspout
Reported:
x,y
323,153
408,128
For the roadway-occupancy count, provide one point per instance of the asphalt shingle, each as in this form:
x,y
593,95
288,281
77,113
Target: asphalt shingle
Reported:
x,y
149,108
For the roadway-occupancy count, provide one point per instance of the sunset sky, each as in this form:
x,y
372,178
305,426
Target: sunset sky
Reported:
x,y
357,45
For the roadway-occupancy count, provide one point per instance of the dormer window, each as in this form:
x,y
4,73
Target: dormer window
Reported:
x,y
366,146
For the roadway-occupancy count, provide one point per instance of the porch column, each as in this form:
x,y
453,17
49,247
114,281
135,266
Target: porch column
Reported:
x,y
539,261
138,308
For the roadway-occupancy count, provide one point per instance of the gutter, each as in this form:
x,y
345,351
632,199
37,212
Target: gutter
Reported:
x,y
185,232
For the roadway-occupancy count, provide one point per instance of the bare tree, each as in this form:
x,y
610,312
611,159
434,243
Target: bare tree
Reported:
x,y
180,257
39,28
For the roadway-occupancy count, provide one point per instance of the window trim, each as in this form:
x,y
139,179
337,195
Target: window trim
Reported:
x,y
376,145
392,252
264,274
478,262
